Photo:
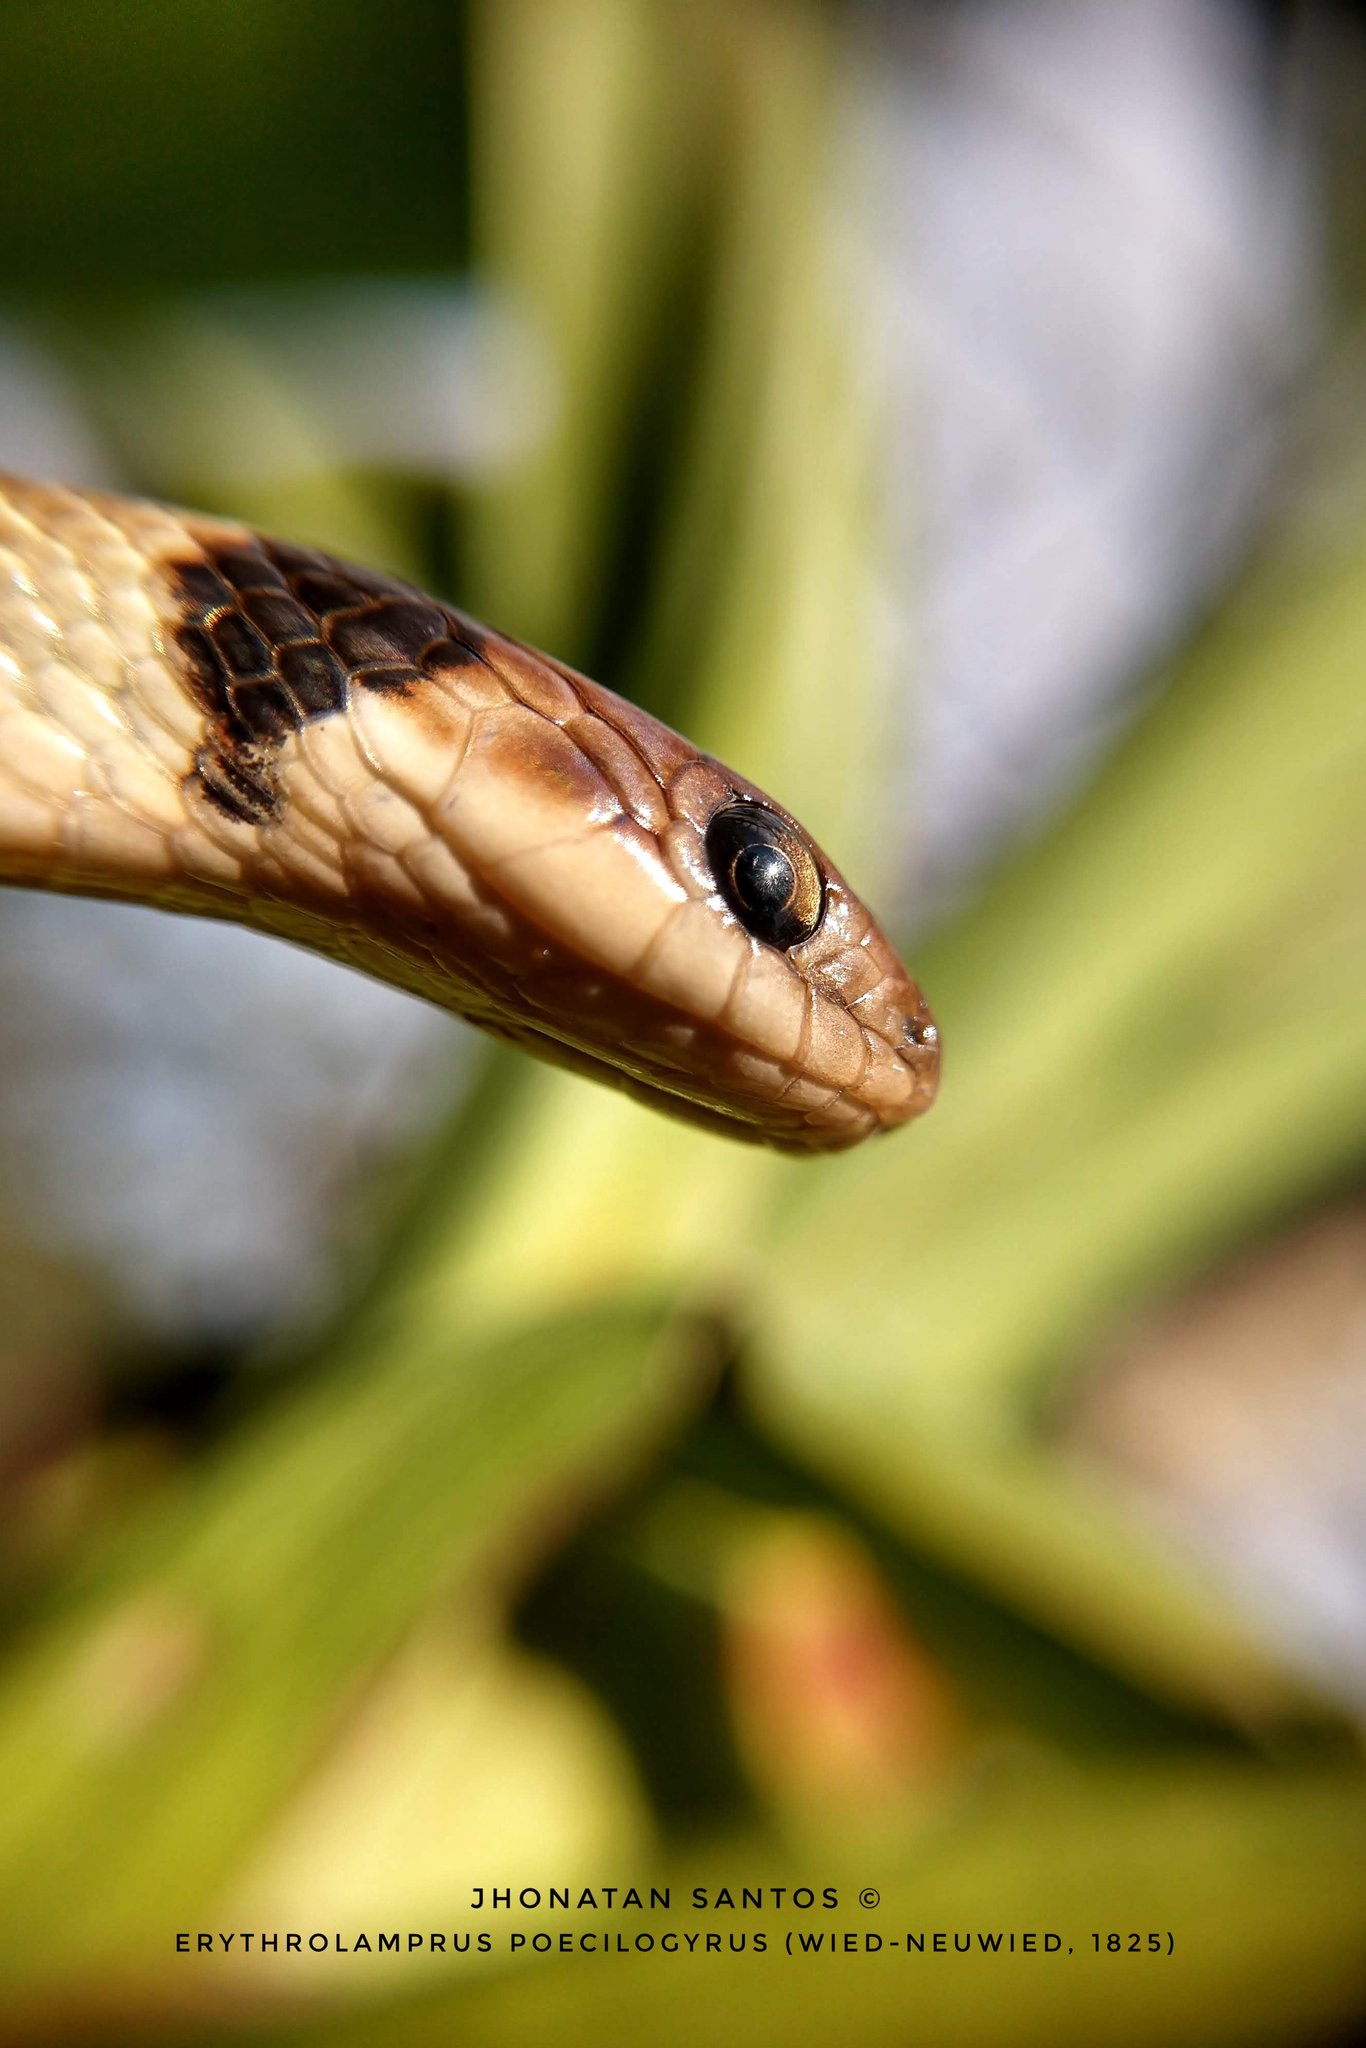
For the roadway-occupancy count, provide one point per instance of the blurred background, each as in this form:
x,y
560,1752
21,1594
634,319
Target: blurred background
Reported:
x,y
421,1470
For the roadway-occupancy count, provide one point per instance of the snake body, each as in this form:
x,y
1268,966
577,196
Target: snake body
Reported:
x,y
199,717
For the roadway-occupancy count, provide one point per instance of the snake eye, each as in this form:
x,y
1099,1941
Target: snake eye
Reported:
x,y
767,873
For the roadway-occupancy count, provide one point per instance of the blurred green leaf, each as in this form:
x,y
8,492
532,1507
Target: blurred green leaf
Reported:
x,y
772,535
592,126
198,1664
1153,1046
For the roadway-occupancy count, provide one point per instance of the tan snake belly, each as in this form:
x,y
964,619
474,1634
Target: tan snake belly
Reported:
x,y
195,716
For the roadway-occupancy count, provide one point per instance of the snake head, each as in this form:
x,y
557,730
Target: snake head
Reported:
x,y
208,719
692,943
518,843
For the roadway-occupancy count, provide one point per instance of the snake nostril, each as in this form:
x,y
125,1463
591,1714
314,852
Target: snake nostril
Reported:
x,y
916,1032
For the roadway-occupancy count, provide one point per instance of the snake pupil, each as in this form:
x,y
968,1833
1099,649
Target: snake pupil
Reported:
x,y
762,878
767,874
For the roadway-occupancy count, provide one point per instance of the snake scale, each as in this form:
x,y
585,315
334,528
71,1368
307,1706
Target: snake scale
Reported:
x,y
195,716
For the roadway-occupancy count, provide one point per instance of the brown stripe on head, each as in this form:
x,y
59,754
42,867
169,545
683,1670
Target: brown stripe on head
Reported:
x,y
273,637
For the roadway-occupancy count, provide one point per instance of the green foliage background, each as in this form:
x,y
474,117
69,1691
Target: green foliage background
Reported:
x,y
604,1357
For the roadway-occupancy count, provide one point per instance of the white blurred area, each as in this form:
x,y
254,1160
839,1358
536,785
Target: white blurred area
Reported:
x,y
1094,262
188,1106
1095,244
430,379
1236,1418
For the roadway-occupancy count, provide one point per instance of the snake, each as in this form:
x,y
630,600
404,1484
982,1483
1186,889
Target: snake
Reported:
x,y
199,717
